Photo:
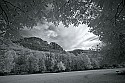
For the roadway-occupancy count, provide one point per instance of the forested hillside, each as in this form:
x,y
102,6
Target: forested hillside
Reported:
x,y
35,43
16,59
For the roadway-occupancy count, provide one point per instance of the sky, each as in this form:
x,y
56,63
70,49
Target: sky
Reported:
x,y
69,38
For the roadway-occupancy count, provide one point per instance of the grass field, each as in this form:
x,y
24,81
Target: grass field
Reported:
x,y
90,76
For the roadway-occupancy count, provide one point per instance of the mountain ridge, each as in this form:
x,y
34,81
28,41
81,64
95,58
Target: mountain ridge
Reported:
x,y
39,44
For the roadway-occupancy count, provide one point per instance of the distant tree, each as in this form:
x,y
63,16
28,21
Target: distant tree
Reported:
x,y
95,63
87,61
61,66
80,63
33,64
41,58
6,62
20,63
41,64
49,62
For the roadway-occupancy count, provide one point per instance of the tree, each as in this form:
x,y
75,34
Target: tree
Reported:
x,y
87,61
61,66
41,61
15,15
42,67
106,18
110,27
21,60
49,62
6,61
33,63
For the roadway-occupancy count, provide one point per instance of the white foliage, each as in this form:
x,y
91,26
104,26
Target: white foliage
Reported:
x,y
61,66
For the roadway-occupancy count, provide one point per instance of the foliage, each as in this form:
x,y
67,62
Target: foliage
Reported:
x,y
28,61
61,66
6,61
109,26
19,60
15,15
106,18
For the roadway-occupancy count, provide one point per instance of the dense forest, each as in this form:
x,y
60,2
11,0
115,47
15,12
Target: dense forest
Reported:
x,y
16,58
19,58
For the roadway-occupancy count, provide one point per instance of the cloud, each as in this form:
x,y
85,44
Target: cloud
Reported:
x,y
52,34
69,38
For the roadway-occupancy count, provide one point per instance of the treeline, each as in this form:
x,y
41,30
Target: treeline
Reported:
x,y
29,61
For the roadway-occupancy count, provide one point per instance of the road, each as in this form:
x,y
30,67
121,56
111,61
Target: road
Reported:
x,y
90,76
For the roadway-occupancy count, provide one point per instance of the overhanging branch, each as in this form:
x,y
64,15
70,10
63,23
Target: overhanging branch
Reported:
x,y
117,14
16,7
6,18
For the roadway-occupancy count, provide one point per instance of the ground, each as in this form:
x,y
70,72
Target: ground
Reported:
x,y
90,76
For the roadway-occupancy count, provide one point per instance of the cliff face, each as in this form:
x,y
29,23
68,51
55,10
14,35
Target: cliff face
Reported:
x,y
35,43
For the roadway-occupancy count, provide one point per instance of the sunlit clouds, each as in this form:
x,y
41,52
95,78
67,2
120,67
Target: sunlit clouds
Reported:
x,y
69,38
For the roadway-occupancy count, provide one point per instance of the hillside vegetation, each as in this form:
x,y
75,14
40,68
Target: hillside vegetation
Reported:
x,y
18,57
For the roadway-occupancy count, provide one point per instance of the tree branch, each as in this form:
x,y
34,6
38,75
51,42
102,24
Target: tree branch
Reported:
x,y
117,12
120,12
1,13
17,8
14,6
6,19
64,5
